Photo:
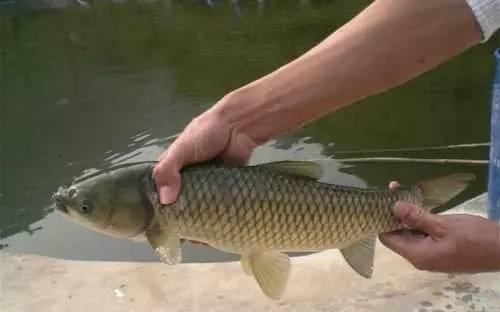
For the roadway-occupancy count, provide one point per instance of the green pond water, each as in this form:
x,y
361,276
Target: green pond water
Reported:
x,y
88,85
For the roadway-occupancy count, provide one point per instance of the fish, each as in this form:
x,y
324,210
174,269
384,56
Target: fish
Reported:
x,y
261,212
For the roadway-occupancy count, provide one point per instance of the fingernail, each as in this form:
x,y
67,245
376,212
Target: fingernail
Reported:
x,y
393,185
165,195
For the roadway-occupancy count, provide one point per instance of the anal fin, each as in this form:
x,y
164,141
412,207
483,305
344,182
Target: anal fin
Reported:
x,y
271,270
360,256
245,265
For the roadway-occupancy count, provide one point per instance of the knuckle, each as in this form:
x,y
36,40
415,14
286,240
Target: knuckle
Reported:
x,y
157,171
416,214
185,151
160,167
412,215
162,172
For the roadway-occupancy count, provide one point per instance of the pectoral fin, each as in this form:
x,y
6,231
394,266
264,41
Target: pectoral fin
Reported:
x,y
360,256
166,243
271,269
148,189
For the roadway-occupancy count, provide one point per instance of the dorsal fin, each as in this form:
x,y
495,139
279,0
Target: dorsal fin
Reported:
x,y
307,169
436,192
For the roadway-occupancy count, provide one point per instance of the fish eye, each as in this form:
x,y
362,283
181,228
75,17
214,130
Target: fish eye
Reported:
x,y
71,192
86,207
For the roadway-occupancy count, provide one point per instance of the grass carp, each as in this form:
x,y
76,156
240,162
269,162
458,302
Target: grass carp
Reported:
x,y
260,212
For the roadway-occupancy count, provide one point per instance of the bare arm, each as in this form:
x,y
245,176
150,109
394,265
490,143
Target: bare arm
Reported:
x,y
390,42
387,44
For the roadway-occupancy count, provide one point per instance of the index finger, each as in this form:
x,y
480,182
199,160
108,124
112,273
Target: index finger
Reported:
x,y
178,154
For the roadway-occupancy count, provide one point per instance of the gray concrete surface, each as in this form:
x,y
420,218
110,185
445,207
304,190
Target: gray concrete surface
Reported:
x,y
319,282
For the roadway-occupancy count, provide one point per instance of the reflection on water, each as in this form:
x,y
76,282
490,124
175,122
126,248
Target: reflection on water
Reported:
x,y
84,85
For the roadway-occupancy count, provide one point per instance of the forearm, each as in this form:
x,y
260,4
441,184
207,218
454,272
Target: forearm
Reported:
x,y
387,44
496,264
491,242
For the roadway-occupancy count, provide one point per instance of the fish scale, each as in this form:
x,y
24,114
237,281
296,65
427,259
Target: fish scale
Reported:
x,y
236,210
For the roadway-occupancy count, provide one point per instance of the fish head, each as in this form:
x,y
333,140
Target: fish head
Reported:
x,y
83,205
106,204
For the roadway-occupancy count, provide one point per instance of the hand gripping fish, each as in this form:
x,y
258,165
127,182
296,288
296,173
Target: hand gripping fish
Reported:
x,y
260,212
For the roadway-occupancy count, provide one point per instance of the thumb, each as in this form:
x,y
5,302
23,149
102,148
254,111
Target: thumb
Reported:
x,y
419,219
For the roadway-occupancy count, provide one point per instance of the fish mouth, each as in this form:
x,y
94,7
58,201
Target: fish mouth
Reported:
x,y
59,203
62,208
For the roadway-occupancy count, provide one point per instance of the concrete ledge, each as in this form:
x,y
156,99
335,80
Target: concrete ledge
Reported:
x,y
319,282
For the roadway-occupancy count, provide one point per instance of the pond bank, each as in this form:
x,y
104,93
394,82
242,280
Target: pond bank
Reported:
x,y
319,282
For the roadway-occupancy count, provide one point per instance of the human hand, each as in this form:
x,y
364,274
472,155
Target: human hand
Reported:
x,y
453,244
206,137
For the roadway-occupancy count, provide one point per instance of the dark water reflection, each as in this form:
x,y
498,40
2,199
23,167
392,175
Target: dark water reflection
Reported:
x,y
83,86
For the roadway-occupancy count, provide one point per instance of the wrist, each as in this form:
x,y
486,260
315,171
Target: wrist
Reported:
x,y
246,113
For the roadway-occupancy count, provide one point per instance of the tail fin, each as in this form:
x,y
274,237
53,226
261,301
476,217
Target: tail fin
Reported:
x,y
436,192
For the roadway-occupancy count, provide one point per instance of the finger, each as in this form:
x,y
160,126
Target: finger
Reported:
x,y
169,188
181,152
393,185
170,192
401,236
238,149
166,172
164,154
403,242
419,219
